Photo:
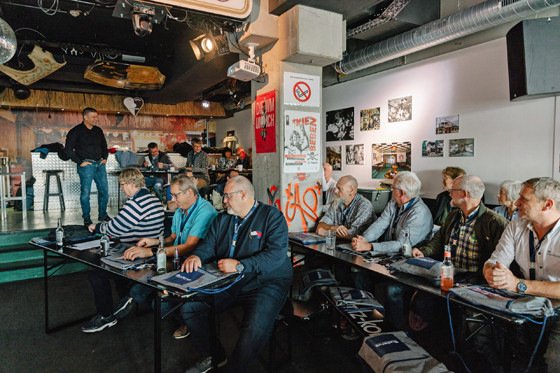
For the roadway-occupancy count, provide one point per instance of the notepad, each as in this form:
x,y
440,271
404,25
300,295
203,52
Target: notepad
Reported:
x,y
209,276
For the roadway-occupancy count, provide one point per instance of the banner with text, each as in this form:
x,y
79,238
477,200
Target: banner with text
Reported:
x,y
265,122
301,141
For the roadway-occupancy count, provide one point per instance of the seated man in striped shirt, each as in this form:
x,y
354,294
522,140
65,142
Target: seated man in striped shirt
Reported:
x,y
142,216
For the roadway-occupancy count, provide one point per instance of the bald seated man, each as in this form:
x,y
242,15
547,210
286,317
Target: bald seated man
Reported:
x,y
251,239
350,214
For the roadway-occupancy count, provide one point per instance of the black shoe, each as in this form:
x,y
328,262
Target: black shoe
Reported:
x,y
124,307
87,222
105,218
98,323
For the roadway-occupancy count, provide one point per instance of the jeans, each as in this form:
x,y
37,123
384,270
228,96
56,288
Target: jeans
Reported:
x,y
157,184
260,308
101,286
96,172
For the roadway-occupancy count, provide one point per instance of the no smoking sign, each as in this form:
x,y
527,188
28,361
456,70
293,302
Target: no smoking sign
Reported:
x,y
302,92
302,89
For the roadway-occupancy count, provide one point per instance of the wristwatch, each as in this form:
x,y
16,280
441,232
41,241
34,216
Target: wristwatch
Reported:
x,y
240,267
521,286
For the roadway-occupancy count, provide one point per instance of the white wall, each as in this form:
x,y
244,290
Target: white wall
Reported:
x,y
513,140
241,123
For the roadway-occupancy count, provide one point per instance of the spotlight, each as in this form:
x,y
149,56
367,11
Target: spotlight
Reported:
x,y
204,46
142,17
205,104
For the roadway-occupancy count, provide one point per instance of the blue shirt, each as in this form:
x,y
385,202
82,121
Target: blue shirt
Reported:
x,y
198,222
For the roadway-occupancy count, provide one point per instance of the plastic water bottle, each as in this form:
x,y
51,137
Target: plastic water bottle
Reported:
x,y
407,246
176,261
59,233
161,257
447,270
105,243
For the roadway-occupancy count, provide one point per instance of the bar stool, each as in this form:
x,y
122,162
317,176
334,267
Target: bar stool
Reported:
x,y
60,194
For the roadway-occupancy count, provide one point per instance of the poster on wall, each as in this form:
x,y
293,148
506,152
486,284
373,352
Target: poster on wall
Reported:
x,y
302,89
432,148
400,109
461,147
340,124
448,124
370,119
387,159
334,157
301,136
265,122
355,154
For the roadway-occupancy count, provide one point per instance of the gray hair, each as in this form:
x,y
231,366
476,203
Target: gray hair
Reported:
x,y
512,188
327,165
408,182
472,185
242,183
185,182
545,188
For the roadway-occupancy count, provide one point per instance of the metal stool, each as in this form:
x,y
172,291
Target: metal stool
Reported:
x,y
4,193
60,194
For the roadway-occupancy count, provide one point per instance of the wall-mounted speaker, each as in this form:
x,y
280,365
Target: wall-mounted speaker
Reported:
x,y
533,52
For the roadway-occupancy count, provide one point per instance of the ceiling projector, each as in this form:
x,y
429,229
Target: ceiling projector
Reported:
x,y
244,70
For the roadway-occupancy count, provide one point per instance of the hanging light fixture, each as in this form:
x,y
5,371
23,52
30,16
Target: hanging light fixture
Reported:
x,y
203,46
8,42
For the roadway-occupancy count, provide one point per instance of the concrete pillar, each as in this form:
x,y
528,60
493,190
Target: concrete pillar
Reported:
x,y
307,40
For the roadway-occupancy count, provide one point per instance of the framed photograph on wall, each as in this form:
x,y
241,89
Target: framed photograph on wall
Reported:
x,y
432,148
387,159
334,157
461,147
340,124
400,109
448,124
370,119
355,154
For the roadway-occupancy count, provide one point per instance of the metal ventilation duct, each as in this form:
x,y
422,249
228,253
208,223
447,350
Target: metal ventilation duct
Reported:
x,y
477,18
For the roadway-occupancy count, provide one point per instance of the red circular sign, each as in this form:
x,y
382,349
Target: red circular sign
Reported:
x,y
302,92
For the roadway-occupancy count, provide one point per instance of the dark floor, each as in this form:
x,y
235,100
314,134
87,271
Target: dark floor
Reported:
x,y
128,346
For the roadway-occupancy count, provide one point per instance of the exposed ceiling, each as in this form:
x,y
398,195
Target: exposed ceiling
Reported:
x,y
81,31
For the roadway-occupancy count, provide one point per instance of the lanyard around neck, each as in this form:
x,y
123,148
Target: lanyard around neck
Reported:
x,y
401,211
186,219
236,229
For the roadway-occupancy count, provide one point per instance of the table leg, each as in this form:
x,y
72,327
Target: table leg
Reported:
x,y
46,290
213,333
157,334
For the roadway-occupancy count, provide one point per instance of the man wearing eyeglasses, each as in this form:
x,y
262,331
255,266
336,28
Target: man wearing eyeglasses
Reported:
x,y
472,230
252,239
190,224
142,215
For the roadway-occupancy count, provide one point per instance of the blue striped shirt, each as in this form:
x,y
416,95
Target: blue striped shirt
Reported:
x,y
142,216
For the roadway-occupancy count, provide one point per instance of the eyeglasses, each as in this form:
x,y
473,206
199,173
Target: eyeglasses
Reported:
x,y
175,195
454,190
228,195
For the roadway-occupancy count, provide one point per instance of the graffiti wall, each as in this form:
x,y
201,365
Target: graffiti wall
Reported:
x,y
300,202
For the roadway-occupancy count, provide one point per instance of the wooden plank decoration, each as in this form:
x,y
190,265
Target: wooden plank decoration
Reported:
x,y
70,101
124,75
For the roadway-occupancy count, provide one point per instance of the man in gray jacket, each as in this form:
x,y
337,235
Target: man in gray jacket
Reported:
x,y
405,213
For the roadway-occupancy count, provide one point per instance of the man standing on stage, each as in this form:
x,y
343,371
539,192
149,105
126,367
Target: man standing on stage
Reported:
x,y
86,145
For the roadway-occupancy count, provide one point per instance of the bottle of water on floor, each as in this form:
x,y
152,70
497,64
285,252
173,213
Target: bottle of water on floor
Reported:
x,y
59,233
